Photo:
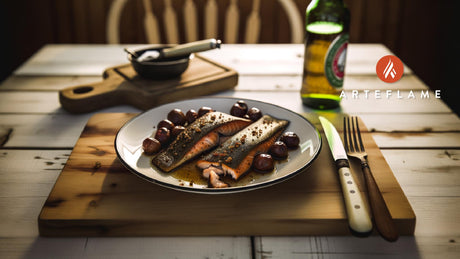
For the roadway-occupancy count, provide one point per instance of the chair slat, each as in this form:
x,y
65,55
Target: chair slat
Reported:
x,y
211,21
113,21
190,21
295,20
170,21
253,24
152,31
232,17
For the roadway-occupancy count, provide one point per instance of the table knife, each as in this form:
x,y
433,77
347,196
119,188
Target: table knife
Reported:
x,y
359,219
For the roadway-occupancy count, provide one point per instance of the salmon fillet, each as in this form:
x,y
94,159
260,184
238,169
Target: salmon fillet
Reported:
x,y
200,136
235,156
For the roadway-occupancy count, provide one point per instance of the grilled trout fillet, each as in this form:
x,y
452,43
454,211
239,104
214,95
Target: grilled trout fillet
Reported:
x,y
201,135
235,155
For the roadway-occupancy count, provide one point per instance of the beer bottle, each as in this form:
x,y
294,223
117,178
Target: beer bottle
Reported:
x,y
327,26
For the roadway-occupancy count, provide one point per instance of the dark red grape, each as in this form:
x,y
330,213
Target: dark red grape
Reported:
x,y
290,139
151,146
263,163
279,150
177,117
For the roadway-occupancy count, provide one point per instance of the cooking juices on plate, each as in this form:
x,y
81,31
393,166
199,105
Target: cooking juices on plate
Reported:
x,y
220,144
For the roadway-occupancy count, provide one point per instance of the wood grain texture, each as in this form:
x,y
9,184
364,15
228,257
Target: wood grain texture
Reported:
x,y
428,178
284,59
96,196
123,85
119,248
245,83
414,137
62,131
32,102
341,247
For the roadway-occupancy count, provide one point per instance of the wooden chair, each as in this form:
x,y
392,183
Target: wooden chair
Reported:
x,y
190,20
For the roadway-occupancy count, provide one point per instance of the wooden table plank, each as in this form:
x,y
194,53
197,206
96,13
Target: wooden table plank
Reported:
x,y
62,131
285,59
66,60
42,103
421,173
47,102
245,83
45,83
30,173
340,247
27,177
170,247
393,123
417,140
352,106
42,130
351,82
30,117
141,247
430,211
18,217
35,247
109,201
426,173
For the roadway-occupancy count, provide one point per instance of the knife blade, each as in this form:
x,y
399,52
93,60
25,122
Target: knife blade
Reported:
x,y
359,219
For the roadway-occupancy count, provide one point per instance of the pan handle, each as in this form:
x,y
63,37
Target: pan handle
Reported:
x,y
90,97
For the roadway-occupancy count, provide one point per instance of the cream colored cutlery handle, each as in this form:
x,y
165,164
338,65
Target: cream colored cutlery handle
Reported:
x,y
358,214
191,47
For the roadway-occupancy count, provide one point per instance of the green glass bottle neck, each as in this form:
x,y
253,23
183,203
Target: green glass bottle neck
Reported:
x,y
319,3
326,17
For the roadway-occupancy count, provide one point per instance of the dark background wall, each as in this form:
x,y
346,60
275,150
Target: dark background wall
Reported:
x,y
421,32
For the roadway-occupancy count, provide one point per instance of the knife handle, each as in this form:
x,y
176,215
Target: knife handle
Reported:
x,y
382,217
359,219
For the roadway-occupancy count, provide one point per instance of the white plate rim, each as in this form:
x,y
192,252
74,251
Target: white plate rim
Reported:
x,y
191,189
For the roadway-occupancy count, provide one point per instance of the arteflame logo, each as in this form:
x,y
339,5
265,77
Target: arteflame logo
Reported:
x,y
389,69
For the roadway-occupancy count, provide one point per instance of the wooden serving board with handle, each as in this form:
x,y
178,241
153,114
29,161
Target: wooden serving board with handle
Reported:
x,y
96,196
122,85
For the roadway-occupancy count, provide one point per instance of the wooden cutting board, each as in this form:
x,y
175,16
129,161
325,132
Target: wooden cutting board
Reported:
x,y
96,196
122,85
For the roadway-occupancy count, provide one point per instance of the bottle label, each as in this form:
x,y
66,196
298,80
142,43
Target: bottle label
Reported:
x,y
334,65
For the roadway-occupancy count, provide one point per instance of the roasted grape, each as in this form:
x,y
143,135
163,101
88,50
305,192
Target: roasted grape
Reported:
x,y
254,114
162,135
203,110
263,163
238,111
165,124
290,139
151,146
177,117
243,105
279,150
191,116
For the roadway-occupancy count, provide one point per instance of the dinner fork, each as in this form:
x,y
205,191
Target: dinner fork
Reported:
x,y
354,146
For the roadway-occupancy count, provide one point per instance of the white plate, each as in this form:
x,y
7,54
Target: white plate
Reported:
x,y
128,145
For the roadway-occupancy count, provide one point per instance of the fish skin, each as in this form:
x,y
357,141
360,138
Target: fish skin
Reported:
x,y
205,132
235,155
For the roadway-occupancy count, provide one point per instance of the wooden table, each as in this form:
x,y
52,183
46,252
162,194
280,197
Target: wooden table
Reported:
x,y
420,139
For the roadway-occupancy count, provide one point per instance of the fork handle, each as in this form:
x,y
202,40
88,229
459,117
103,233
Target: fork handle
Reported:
x,y
359,219
382,216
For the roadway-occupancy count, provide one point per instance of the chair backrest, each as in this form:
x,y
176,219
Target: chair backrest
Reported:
x,y
210,24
